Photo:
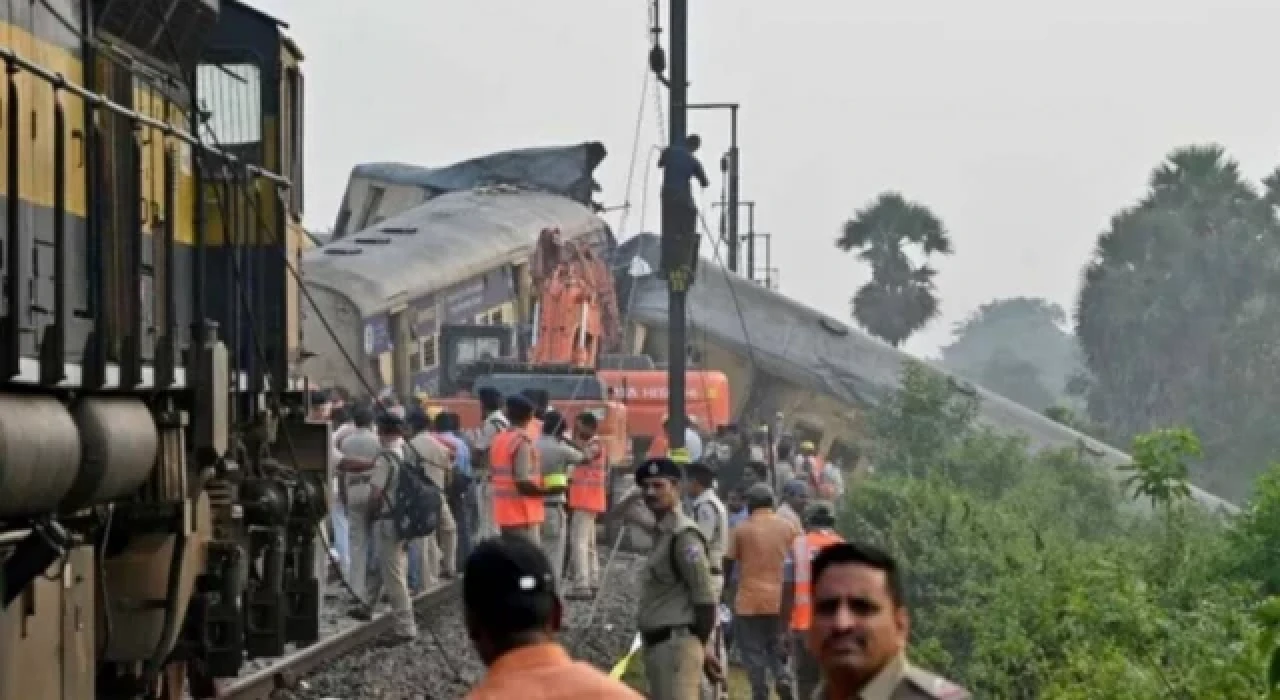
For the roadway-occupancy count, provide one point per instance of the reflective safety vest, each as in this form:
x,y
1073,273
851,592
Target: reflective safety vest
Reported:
x,y
510,507
587,492
803,550
823,488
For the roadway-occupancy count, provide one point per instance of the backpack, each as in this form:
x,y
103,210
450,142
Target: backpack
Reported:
x,y
418,504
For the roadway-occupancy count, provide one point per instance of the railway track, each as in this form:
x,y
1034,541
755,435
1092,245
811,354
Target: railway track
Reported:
x,y
348,663
284,674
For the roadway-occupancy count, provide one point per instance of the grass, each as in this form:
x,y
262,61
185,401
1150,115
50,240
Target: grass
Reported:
x,y
739,689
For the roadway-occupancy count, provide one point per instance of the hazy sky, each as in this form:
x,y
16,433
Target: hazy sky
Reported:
x,y
1023,128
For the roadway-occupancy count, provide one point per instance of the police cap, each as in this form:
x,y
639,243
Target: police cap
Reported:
x,y
701,469
820,513
658,466
519,408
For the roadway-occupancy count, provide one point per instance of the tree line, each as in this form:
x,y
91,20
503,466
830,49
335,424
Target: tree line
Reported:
x,y
1176,322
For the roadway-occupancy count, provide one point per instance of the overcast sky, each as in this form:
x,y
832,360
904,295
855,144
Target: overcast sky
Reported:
x,y
1023,129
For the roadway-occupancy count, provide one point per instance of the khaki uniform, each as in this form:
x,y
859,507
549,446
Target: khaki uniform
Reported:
x,y
390,550
362,443
479,440
558,459
677,577
440,553
713,520
902,681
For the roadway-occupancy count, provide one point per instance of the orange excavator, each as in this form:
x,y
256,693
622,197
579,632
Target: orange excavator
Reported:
x,y
574,316
644,391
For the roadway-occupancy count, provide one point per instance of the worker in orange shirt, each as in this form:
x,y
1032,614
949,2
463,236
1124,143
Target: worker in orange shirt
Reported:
x,y
513,615
797,590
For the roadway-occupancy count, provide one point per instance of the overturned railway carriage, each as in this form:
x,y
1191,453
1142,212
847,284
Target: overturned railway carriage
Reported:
x,y
444,277
819,374
147,339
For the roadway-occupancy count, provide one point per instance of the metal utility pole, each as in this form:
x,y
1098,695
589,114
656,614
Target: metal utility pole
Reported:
x,y
679,230
732,238
735,241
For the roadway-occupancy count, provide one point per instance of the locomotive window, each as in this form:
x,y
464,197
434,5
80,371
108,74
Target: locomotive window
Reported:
x,y
293,82
231,99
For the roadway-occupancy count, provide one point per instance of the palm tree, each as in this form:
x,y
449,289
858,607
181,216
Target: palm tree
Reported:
x,y
899,300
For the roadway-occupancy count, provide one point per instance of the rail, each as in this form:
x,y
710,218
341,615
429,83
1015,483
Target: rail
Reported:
x,y
286,672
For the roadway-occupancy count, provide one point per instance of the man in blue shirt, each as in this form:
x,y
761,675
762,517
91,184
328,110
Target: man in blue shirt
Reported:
x,y
448,425
679,165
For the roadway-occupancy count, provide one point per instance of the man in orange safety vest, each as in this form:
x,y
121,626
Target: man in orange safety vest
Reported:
x,y
516,475
797,590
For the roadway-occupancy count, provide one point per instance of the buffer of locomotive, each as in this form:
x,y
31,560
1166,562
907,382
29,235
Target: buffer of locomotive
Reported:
x,y
146,520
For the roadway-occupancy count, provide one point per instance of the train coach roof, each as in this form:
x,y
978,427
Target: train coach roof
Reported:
x,y
815,351
446,240
563,170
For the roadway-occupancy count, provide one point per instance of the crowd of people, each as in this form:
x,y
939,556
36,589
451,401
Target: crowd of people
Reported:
x,y
763,584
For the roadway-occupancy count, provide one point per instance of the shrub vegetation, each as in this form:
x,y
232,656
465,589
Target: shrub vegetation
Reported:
x,y
1037,575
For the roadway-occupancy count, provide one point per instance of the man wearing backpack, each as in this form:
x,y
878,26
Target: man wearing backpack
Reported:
x,y
441,550
389,546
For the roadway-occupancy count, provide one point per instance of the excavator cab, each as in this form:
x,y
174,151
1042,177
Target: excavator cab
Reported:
x,y
478,357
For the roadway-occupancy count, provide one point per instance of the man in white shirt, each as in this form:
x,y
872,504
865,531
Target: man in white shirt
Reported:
x,y
479,439
343,426
359,447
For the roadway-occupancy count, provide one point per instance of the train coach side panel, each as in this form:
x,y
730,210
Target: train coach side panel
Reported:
x,y
323,360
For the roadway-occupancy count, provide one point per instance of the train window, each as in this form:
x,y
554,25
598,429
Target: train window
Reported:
x,y
230,97
371,206
426,352
495,318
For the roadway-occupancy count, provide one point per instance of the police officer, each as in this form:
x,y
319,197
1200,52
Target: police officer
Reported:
x,y
859,630
677,601
713,520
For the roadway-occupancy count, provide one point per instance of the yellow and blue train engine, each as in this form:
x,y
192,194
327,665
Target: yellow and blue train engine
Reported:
x,y
159,483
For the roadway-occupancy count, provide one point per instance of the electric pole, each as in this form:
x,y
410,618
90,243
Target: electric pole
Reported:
x,y
679,229
730,167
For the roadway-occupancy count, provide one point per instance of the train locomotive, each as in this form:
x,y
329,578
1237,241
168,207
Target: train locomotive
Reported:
x,y
160,486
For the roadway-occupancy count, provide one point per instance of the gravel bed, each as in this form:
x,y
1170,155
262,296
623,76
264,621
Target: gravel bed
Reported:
x,y
423,670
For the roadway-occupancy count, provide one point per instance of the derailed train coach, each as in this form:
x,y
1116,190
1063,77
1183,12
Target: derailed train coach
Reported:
x,y
819,374
151,535
429,269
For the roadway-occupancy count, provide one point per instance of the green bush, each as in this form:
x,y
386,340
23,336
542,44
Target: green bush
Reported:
x,y
1029,577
